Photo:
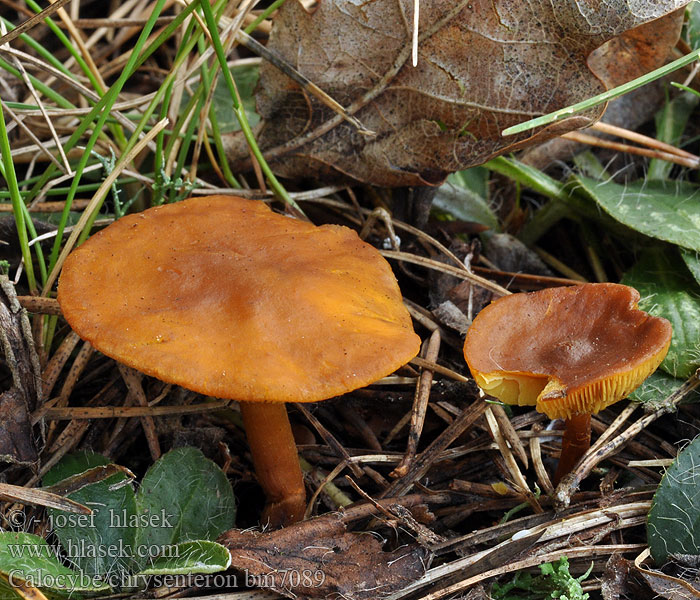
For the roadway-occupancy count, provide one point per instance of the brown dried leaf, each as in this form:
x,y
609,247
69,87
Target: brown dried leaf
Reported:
x,y
484,65
320,559
16,436
620,60
637,51
667,586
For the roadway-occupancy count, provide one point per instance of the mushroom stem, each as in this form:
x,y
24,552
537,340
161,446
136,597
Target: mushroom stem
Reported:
x,y
574,443
276,461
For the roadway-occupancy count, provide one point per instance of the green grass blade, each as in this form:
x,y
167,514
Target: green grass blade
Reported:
x,y
240,111
17,203
266,13
106,103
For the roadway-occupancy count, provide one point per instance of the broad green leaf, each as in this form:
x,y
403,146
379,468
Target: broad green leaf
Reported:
x,y
476,180
692,261
28,558
246,77
693,24
103,542
463,196
183,497
191,557
668,291
659,386
668,211
673,525
671,121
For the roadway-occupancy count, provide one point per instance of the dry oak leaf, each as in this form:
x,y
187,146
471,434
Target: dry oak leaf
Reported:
x,y
483,65
622,59
318,558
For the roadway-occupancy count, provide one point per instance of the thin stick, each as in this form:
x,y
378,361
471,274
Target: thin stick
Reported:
x,y
633,136
54,367
132,379
31,22
450,270
515,473
538,465
76,369
39,305
71,413
36,497
436,368
614,426
47,207
109,23
431,350
508,431
591,140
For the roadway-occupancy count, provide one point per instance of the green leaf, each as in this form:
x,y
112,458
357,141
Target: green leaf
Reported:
x,y
183,497
693,24
28,558
671,121
246,78
103,542
668,211
692,261
529,177
189,558
476,180
464,196
668,291
554,582
659,386
673,525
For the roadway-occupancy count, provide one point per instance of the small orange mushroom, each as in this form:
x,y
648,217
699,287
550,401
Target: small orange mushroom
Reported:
x,y
224,297
568,351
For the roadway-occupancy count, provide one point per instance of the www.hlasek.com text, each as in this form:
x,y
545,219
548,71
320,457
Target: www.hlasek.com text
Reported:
x,y
73,549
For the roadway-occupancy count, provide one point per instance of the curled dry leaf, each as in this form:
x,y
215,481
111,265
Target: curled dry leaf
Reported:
x,y
483,65
16,436
669,586
320,559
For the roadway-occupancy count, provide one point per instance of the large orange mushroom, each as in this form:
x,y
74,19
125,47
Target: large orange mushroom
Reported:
x,y
225,297
568,351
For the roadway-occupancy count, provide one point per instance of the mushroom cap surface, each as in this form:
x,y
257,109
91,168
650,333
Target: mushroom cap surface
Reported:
x,y
566,350
225,297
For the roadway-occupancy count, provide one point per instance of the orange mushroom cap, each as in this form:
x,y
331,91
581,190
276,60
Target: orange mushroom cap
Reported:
x,y
225,297
567,350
